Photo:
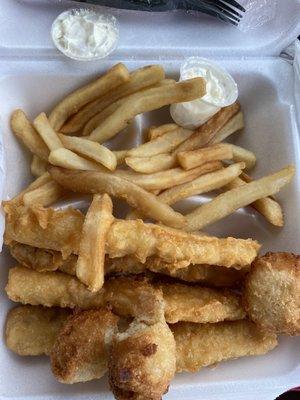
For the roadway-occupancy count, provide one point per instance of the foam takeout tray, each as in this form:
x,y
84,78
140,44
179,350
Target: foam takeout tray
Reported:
x,y
34,76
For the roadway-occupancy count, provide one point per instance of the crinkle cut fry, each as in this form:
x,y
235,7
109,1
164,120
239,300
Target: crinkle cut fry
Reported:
x,y
60,230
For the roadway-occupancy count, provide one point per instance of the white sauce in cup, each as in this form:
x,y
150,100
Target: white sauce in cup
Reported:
x,y
84,34
221,91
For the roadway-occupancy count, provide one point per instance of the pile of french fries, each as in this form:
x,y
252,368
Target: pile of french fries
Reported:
x,y
67,259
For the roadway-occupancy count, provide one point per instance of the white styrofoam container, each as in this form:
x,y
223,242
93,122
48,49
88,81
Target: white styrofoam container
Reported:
x,y
34,76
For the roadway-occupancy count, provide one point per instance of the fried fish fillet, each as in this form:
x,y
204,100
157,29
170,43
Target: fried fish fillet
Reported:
x,y
200,345
200,304
79,353
32,330
272,293
142,361
50,289
50,260
127,296
61,230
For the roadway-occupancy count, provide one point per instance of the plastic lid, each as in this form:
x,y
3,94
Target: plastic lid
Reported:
x,y
25,29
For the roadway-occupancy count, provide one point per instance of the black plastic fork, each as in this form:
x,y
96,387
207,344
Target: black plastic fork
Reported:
x,y
227,10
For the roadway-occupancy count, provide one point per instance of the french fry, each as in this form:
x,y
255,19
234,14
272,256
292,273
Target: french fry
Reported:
x,y
92,150
156,131
47,133
134,195
162,144
120,156
266,206
145,101
17,200
25,131
90,263
166,179
235,124
98,118
195,158
203,184
80,97
205,134
226,203
68,159
44,195
241,154
139,79
38,166
150,165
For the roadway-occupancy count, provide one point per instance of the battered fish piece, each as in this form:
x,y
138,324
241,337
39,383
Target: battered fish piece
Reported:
x,y
135,297
45,228
142,362
80,351
50,289
61,230
51,260
272,293
32,330
200,345
143,240
200,304
126,296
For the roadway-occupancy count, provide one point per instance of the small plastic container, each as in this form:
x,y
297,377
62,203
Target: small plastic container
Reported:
x,y
84,34
221,91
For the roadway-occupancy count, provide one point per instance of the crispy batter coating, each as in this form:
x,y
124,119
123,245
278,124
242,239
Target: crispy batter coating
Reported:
x,y
80,351
31,330
199,345
200,304
51,260
177,247
61,231
142,362
45,228
272,293
135,297
38,259
50,289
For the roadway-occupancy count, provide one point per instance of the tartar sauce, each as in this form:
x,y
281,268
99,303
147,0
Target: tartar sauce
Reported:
x,y
221,91
84,34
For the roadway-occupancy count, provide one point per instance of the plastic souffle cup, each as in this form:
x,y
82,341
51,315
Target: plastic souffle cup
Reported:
x,y
221,91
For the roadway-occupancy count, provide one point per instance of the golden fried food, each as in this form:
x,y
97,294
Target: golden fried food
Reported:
x,y
135,297
50,260
142,361
102,182
61,230
205,134
38,166
32,330
79,353
145,101
72,103
25,131
272,293
91,255
45,228
50,289
199,345
177,247
226,203
200,304
138,80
